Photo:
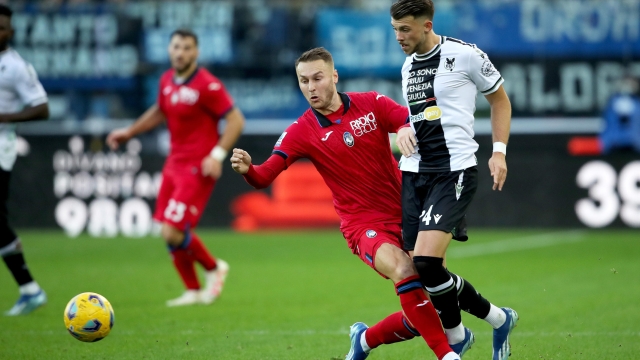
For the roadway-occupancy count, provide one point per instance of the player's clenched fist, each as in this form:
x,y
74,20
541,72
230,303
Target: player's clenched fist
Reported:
x,y
240,161
117,137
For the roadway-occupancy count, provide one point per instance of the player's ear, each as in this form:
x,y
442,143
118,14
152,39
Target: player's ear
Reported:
x,y
427,25
335,76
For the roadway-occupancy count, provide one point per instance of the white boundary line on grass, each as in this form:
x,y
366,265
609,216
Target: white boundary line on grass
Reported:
x,y
517,244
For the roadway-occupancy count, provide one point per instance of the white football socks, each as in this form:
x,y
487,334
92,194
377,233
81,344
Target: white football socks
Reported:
x,y
30,288
363,342
496,317
455,335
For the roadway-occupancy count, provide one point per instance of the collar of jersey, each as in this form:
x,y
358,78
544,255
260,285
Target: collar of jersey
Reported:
x,y
323,121
421,57
173,79
5,51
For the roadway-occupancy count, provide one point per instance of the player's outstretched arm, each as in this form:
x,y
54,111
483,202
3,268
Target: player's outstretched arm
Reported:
x,y
406,141
258,176
500,126
240,161
29,113
147,121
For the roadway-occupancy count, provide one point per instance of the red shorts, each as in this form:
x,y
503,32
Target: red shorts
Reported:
x,y
365,240
183,195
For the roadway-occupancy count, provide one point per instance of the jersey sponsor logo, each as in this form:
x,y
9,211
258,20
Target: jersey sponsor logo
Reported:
x,y
371,234
279,142
487,68
420,87
450,64
185,95
364,124
429,114
348,139
326,136
424,72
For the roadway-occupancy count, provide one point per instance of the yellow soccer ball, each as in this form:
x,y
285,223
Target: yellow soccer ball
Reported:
x,y
89,317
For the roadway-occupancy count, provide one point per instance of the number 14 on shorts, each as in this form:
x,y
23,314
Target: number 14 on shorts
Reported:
x,y
426,216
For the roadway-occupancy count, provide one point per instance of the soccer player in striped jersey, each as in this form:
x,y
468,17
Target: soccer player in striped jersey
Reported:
x,y
22,98
440,79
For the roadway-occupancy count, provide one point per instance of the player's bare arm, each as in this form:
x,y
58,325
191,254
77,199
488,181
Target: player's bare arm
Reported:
x,y
212,164
240,161
147,121
406,141
30,113
500,126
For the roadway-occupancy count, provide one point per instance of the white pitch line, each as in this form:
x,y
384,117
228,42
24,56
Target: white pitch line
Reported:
x,y
517,244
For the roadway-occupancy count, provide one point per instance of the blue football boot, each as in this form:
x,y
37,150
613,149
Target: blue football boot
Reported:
x,y
356,352
463,346
27,303
501,346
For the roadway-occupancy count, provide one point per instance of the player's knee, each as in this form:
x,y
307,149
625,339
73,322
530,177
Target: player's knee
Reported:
x,y
431,271
172,236
404,269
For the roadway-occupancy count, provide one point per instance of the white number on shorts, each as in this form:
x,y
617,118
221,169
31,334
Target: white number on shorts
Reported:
x,y
175,210
426,217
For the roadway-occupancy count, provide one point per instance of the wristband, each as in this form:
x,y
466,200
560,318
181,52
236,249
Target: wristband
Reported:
x,y
218,153
500,147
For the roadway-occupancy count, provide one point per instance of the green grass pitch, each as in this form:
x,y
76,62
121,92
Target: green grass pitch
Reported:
x,y
293,295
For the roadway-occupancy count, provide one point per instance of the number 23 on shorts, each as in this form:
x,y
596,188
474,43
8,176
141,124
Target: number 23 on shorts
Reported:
x,y
175,211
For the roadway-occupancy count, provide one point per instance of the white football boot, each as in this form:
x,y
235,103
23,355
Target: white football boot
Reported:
x,y
190,297
214,281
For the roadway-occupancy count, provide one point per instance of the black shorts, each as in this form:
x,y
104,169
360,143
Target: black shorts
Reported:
x,y
436,201
6,233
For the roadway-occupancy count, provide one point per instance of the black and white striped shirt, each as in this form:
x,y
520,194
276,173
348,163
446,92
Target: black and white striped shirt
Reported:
x,y
440,88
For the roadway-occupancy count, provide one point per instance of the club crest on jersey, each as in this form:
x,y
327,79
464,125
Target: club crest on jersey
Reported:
x,y
371,234
450,64
348,139
431,113
487,68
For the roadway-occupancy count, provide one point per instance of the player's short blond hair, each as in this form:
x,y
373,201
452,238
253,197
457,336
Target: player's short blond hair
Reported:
x,y
314,54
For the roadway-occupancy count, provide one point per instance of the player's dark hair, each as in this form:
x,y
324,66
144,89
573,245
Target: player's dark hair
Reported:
x,y
415,8
5,10
185,33
314,54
